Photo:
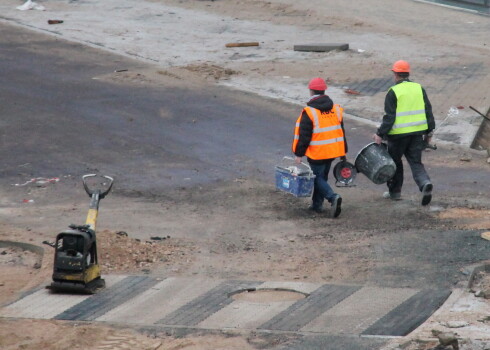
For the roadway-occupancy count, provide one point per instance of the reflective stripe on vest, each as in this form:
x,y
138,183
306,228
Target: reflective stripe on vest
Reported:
x,y
327,139
410,109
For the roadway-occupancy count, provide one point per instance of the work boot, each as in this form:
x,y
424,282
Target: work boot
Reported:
x,y
426,193
395,196
336,206
316,209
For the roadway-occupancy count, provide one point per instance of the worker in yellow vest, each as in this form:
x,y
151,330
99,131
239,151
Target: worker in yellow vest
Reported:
x,y
319,135
407,125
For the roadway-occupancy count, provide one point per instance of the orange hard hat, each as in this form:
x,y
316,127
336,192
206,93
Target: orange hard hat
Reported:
x,y
401,67
317,84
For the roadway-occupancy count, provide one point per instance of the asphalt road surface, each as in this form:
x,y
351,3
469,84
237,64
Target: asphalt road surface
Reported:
x,y
56,117
59,119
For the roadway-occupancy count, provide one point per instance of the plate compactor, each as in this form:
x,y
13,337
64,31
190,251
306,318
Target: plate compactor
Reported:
x,y
76,268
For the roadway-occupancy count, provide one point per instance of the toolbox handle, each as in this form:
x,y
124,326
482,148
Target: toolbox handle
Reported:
x,y
291,159
90,192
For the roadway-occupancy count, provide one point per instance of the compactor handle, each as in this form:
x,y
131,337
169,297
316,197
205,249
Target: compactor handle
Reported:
x,y
101,193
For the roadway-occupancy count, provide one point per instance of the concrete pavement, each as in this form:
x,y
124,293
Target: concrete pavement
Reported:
x,y
212,304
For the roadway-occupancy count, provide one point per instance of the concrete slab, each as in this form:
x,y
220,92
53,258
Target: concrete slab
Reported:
x,y
250,315
160,300
91,308
206,304
44,304
34,305
244,315
410,314
304,311
359,311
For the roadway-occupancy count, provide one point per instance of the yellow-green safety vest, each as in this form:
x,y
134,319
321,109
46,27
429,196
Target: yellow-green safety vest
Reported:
x,y
410,109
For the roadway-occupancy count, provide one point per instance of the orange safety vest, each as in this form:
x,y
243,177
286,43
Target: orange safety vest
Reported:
x,y
327,140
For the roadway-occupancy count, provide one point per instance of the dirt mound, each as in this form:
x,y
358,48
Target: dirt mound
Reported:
x,y
120,253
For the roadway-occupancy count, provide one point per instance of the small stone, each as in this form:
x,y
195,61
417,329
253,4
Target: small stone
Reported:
x,y
465,158
37,266
158,238
448,339
479,294
435,332
456,324
488,160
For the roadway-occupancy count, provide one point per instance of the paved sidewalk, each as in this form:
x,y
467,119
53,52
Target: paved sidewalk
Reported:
x,y
213,304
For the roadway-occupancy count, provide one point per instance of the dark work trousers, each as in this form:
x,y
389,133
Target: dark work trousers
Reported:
x,y
410,146
322,189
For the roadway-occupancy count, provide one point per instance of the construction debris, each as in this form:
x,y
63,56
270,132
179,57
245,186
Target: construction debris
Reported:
x,y
446,338
30,5
321,47
242,44
39,181
456,324
119,252
352,92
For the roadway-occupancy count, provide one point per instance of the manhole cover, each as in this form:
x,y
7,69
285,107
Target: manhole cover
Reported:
x,y
268,295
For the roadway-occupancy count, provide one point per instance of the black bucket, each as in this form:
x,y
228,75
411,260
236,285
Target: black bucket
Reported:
x,y
375,162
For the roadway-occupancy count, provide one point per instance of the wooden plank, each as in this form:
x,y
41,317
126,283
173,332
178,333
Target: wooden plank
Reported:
x,y
242,44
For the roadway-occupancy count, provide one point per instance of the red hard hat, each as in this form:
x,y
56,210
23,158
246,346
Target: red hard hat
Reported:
x,y
401,67
317,84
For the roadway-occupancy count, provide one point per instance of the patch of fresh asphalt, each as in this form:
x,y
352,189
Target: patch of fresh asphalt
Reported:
x,y
70,123
426,258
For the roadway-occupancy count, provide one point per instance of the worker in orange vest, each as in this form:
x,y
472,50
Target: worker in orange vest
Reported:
x,y
319,135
